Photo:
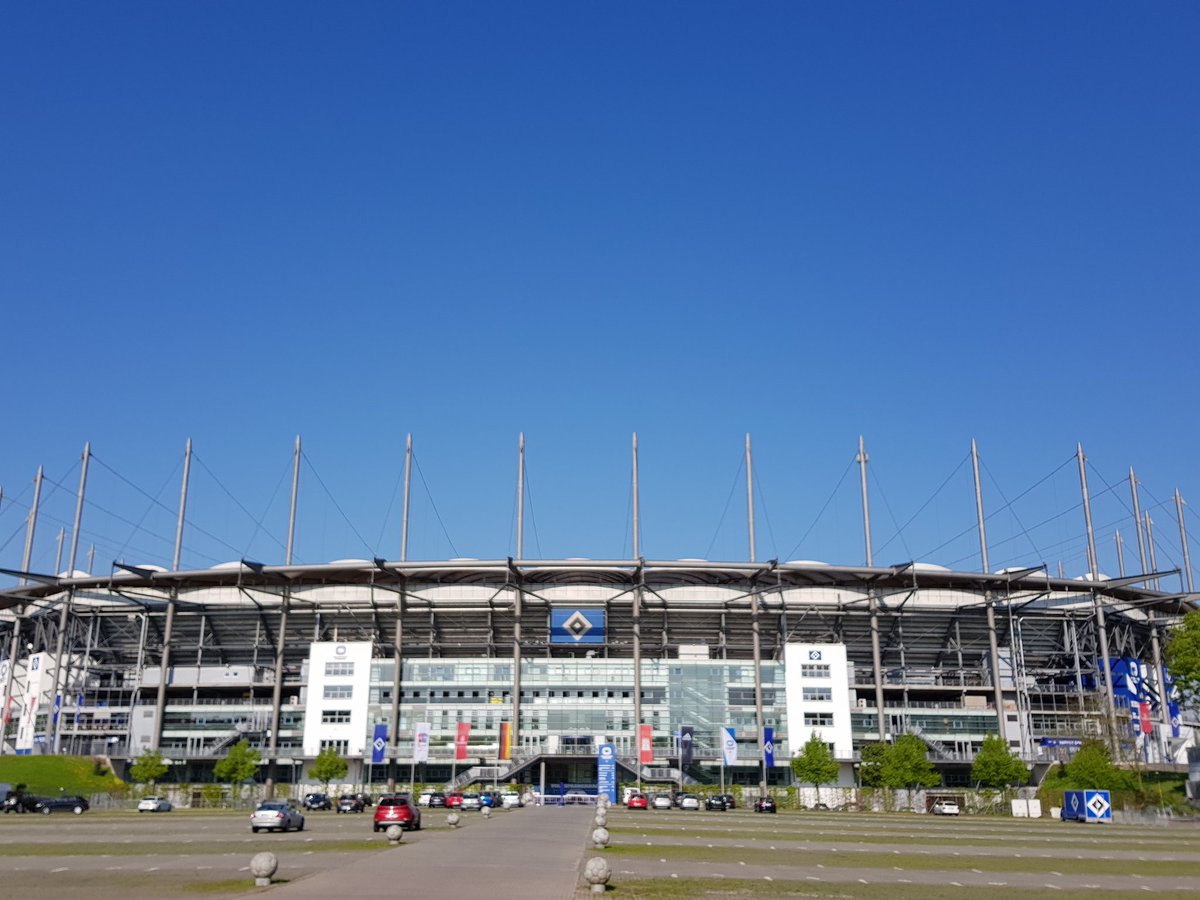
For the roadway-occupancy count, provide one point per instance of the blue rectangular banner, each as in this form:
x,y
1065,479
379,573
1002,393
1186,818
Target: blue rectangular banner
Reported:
x,y
577,626
379,743
606,772
769,746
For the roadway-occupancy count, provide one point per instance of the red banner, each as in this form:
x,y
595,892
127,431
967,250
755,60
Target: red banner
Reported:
x,y
1144,715
645,744
460,740
505,740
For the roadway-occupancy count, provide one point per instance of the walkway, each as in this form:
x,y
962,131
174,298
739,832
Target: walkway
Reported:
x,y
536,853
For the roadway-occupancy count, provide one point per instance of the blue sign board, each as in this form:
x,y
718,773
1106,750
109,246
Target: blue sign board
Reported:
x,y
1087,806
769,746
577,626
606,772
379,744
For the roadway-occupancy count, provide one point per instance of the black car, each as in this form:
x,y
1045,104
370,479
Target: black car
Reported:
x,y
348,803
20,802
437,798
730,803
716,802
764,805
317,801
47,805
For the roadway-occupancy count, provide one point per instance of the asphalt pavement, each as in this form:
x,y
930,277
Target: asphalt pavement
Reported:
x,y
522,854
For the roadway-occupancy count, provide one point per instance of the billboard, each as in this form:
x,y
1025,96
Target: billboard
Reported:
x,y
577,626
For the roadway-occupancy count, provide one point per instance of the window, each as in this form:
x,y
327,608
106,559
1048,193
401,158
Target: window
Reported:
x,y
818,720
339,691
817,694
341,748
339,669
816,671
335,716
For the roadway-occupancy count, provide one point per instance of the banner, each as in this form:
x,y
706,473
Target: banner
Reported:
x,y
379,744
606,772
769,747
506,740
729,748
57,709
687,736
1144,714
460,741
421,742
1176,720
645,744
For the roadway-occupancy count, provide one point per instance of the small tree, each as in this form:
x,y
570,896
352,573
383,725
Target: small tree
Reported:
x,y
240,764
907,766
815,764
1092,767
149,767
996,767
329,766
1182,655
872,757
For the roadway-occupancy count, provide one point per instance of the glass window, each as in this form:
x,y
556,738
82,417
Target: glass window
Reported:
x,y
339,669
339,691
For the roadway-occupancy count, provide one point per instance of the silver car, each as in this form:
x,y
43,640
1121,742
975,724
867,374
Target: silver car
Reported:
x,y
276,815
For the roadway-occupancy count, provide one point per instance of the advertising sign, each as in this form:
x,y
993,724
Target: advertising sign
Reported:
x,y
729,748
421,742
460,740
769,746
379,742
687,736
1144,715
506,740
577,626
645,744
606,772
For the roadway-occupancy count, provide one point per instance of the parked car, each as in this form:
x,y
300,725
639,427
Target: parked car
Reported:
x,y
637,801
764,805
454,800
437,799
276,815
689,801
317,801
661,801
945,808
20,802
491,798
470,801
348,803
397,810
367,799
47,805
511,800
715,802
424,797
154,804
730,803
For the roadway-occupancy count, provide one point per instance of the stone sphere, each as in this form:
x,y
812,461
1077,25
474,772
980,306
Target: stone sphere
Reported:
x,y
597,872
394,833
452,820
600,837
487,812
601,817
263,865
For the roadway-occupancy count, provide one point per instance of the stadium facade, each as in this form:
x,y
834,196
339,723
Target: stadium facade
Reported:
x,y
509,669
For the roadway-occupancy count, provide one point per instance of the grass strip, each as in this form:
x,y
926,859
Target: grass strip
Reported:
x,y
854,859
196,848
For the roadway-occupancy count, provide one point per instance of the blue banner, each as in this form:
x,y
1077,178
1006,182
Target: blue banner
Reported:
x,y
606,772
379,744
57,707
769,746
1176,721
577,626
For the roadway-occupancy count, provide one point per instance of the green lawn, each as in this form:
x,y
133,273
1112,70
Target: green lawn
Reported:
x,y
47,774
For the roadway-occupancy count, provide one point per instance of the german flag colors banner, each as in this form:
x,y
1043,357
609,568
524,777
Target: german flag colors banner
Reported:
x,y
506,740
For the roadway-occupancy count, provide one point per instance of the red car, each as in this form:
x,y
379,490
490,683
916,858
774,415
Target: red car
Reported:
x,y
397,810
637,801
454,800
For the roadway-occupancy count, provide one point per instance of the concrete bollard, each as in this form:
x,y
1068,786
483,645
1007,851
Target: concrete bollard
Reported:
x,y
596,873
395,834
487,812
262,867
452,820
601,818
600,838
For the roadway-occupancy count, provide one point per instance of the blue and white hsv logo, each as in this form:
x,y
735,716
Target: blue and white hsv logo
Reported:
x,y
814,655
1098,804
577,626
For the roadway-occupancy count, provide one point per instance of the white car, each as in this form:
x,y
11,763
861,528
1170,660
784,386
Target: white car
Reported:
x,y
510,800
276,815
689,801
424,798
945,808
661,801
471,801
154,804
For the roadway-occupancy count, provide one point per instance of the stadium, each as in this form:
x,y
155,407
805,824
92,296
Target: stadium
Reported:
x,y
518,670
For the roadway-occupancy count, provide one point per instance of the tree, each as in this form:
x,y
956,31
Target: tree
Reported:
x,y
1092,767
815,764
240,764
1182,655
872,756
996,767
907,765
149,767
329,766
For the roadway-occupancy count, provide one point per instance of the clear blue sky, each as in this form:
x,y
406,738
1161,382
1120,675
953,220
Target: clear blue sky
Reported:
x,y
922,222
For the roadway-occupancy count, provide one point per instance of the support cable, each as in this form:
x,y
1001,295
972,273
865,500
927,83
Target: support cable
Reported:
x,y
436,514
725,511
932,497
828,500
328,493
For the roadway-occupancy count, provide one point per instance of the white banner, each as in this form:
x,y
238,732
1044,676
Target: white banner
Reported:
x,y
421,742
729,746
